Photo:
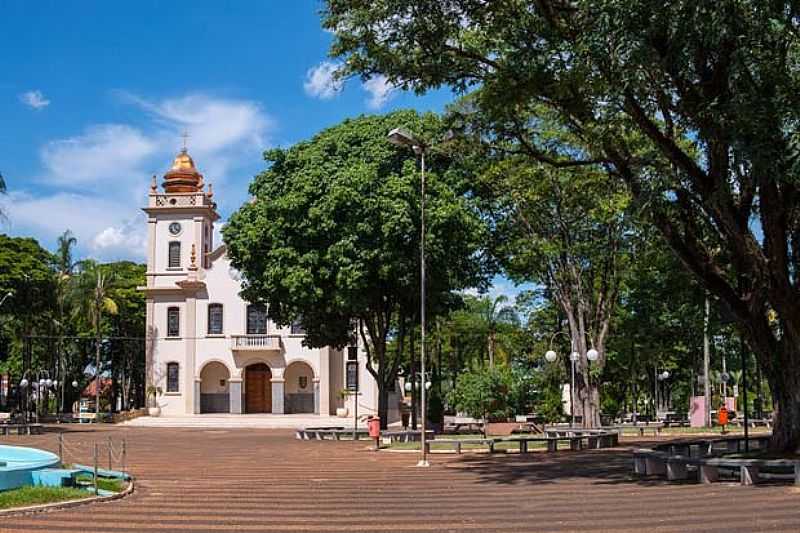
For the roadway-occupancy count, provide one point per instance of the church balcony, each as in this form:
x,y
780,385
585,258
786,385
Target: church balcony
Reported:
x,y
255,343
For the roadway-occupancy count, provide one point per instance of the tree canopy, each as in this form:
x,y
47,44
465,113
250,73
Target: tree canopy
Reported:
x,y
333,235
691,104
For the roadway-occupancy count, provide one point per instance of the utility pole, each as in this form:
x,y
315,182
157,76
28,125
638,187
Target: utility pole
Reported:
x,y
706,360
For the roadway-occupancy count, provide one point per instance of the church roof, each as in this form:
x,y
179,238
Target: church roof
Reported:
x,y
183,176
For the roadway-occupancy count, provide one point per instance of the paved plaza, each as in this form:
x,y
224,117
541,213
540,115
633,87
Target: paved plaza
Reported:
x,y
195,479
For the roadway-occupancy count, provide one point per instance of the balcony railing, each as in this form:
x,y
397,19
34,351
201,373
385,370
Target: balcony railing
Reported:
x,y
255,342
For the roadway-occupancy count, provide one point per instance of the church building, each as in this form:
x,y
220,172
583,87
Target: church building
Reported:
x,y
208,350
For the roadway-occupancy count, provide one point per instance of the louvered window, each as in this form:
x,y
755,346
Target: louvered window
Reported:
x,y
256,320
174,254
173,322
215,319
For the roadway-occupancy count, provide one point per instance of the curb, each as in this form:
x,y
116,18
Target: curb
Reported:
x,y
68,504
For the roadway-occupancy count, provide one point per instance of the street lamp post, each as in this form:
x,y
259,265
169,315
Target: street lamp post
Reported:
x,y
550,356
401,137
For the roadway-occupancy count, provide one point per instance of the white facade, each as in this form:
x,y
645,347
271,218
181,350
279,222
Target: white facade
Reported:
x,y
202,366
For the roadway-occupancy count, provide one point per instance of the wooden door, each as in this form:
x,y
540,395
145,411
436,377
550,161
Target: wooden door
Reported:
x,y
258,389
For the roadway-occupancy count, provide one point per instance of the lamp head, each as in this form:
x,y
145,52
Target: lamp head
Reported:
x,y
402,137
23,383
592,355
427,385
550,356
75,384
48,382
408,386
665,374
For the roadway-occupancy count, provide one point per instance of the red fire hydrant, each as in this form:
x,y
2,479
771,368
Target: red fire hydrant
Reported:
x,y
374,426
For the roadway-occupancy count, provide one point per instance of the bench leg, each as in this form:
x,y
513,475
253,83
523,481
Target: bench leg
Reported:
x,y
749,475
655,466
676,471
708,474
552,446
640,466
592,442
491,447
458,448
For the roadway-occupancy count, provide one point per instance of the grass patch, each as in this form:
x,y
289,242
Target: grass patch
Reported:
x,y
113,485
26,496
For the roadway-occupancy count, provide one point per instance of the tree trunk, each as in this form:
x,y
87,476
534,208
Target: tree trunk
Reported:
x,y
97,373
383,404
785,387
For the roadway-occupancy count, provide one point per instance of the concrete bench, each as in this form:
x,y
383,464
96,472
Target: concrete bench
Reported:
x,y
675,467
655,427
457,444
21,429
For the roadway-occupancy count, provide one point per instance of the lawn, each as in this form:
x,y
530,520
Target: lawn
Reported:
x,y
27,496
113,485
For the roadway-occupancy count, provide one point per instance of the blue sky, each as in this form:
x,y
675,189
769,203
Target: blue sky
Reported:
x,y
94,97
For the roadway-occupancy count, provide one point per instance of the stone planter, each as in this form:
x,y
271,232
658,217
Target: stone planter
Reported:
x,y
154,411
341,412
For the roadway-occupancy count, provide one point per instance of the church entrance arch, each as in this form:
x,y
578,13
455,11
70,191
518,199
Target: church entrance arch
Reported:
x,y
258,389
214,393
299,388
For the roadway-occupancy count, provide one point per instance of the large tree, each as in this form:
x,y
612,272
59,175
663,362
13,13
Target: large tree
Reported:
x,y
707,89
332,235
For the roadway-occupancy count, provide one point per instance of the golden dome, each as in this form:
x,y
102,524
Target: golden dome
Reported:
x,y
183,161
183,176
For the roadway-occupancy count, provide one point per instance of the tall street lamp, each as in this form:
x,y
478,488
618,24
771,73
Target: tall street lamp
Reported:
x,y
401,137
550,356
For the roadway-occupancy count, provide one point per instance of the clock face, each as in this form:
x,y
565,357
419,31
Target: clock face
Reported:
x,y
175,228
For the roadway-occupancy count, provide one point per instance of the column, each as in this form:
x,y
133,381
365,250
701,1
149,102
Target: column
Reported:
x,y
190,332
323,383
196,396
277,395
316,396
235,393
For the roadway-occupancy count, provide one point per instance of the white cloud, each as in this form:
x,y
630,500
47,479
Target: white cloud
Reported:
x,y
380,90
321,81
95,181
124,240
106,152
34,99
107,229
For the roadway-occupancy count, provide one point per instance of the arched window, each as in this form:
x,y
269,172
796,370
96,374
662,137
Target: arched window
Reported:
x,y
173,322
215,319
174,254
256,319
173,377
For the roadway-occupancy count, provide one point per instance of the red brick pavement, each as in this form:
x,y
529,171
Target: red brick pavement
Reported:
x,y
265,480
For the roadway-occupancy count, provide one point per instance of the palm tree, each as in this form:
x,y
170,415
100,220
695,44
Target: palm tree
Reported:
x,y
64,262
2,191
496,318
64,270
93,288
